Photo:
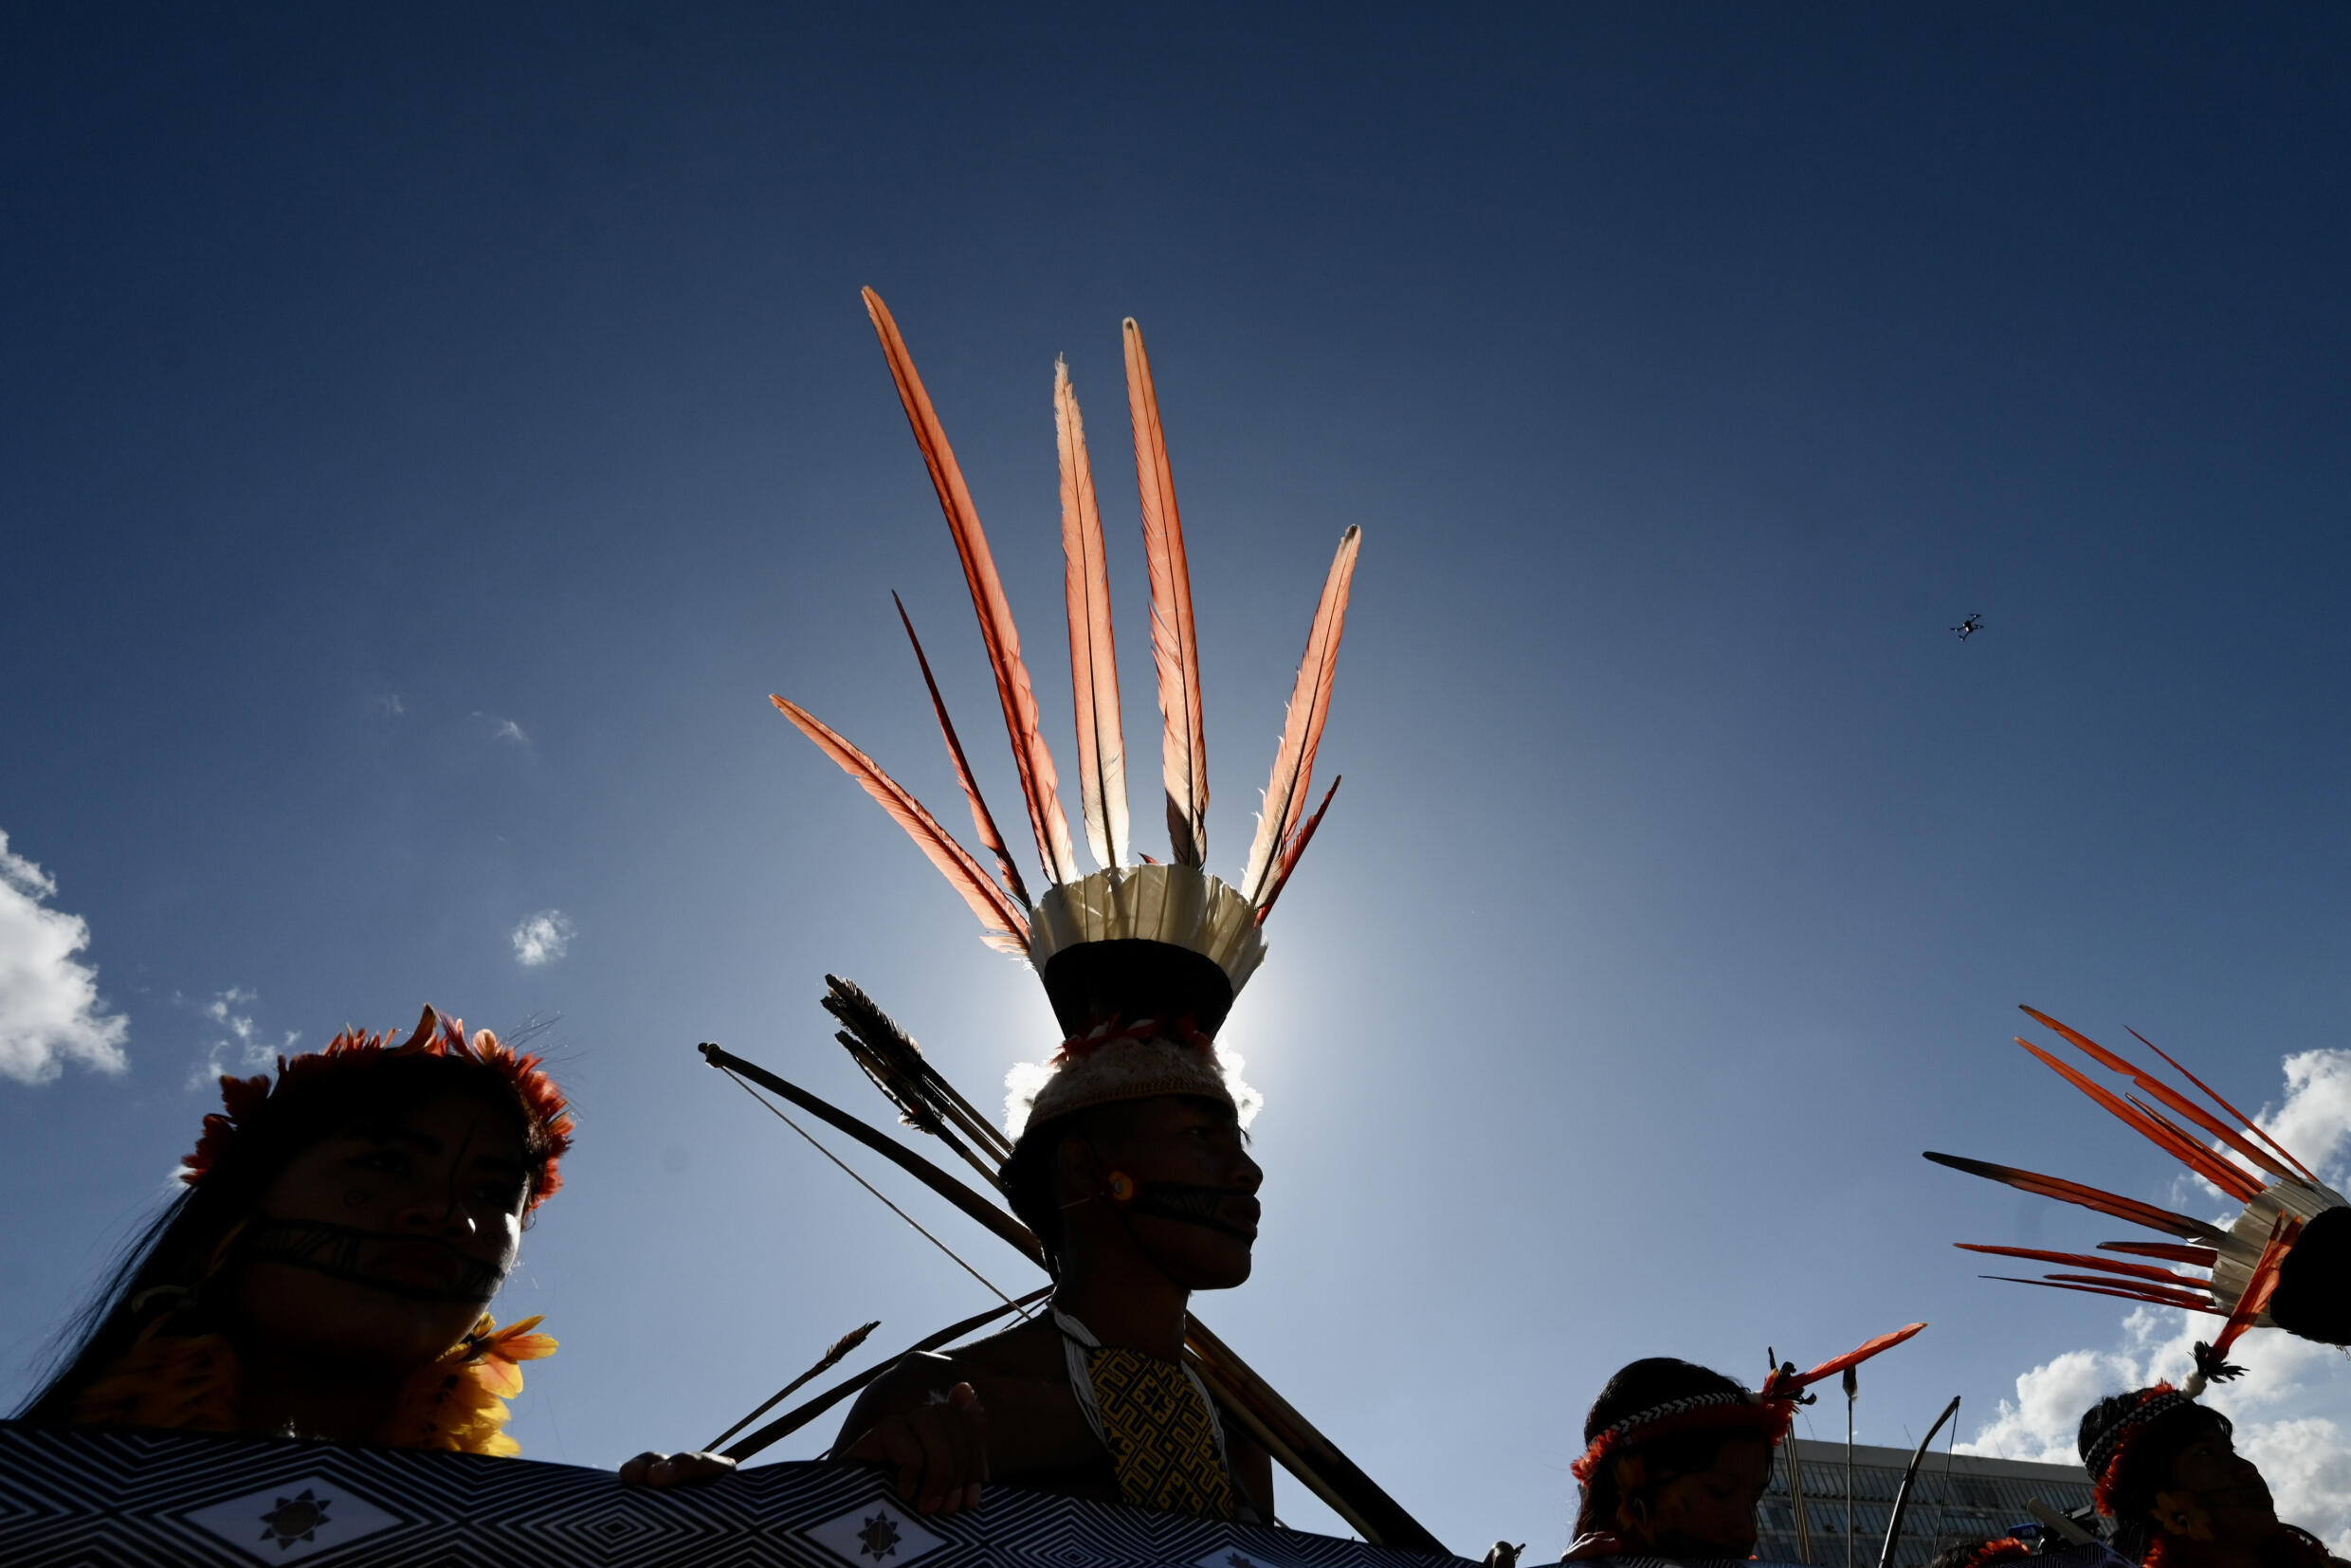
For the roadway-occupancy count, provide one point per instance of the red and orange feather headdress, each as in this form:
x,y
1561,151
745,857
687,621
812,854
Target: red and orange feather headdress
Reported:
x,y
1205,931
1765,1413
2241,1262
246,1101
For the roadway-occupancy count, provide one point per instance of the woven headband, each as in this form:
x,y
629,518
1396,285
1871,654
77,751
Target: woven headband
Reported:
x,y
247,1101
1769,1418
2104,1461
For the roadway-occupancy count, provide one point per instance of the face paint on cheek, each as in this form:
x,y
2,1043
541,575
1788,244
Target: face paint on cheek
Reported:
x,y
1220,1208
409,1266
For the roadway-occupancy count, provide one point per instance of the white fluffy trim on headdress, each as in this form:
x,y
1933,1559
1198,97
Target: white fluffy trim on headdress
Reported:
x,y
1123,1069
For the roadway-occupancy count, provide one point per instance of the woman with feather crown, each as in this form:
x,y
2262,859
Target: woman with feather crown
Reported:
x,y
325,1270
1129,1154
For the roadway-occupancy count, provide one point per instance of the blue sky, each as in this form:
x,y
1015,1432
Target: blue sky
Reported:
x,y
426,440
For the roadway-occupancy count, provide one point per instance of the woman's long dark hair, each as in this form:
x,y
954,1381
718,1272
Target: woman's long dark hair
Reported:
x,y
1644,1385
166,1268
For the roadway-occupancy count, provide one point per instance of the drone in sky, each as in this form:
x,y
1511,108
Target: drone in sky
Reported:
x,y
1969,627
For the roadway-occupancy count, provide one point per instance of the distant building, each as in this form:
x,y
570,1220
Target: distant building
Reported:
x,y
1956,1497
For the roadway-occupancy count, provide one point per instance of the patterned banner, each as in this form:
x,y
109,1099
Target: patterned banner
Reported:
x,y
154,1499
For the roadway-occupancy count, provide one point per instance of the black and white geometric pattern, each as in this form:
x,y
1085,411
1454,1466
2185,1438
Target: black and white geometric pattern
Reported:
x,y
104,1499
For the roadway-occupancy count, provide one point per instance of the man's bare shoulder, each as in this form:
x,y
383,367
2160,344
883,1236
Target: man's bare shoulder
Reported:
x,y
1031,1350
999,1368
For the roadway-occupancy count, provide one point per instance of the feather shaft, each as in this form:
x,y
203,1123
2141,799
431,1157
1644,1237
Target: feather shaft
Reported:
x,y
2157,1131
1175,651
831,1359
1298,846
2132,1270
1005,927
2196,1257
983,820
2149,1292
1302,727
2171,1097
1030,757
2243,1120
1859,1354
2086,1197
2124,1292
1093,651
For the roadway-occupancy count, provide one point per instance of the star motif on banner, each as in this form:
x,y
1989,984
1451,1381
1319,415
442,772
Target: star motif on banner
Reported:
x,y
879,1539
294,1519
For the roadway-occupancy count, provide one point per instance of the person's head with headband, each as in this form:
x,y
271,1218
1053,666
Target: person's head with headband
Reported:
x,y
327,1268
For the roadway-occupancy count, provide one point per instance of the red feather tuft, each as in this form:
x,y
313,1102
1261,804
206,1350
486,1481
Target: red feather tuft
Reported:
x,y
245,1101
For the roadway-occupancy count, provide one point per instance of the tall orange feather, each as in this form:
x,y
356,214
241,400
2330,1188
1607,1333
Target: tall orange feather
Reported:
x,y
1302,727
2129,1293
2082,1260
2187,1299
2198,1257
1093,652
1859,1354
2247,1121
2169,1096
2158,1132
2087,1197
1183,749
1034,762
1005,927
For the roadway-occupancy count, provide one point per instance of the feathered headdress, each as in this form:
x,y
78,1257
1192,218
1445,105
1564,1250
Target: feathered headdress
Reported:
x,y
1142,963
251,1103
2241,1263
1765,1413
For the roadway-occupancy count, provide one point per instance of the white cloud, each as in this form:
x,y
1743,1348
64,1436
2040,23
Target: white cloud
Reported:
x,y
239,1047
2285,1404
2316,1117
51,1013
543,937
503,729
390,702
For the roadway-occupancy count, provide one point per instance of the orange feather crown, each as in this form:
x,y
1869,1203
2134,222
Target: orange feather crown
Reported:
x,y
2241,1262
1127,942
2106,1460
249,1103
1766,1413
